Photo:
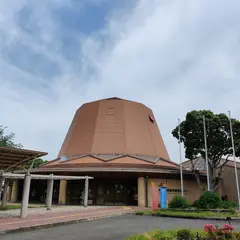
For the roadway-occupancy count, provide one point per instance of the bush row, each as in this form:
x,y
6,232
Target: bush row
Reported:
x,y
210,233
208,200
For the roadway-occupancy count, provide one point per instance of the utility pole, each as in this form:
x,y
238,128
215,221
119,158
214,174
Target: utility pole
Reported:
x,y
206,152
234,158
180,155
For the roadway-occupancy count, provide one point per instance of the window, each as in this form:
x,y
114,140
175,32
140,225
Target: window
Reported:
x,y
63,158
110,111
151,119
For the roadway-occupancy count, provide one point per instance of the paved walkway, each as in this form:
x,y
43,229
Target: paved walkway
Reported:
x,y
41,209
39,217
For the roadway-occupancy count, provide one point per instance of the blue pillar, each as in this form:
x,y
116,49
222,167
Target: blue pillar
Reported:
x,y
163,197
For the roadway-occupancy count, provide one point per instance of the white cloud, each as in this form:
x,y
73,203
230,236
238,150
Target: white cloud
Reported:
x,y
174,56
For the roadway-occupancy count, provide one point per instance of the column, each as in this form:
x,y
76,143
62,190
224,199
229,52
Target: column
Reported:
x,y
49,192
62,192
10,188
141,192
86,192
25,197
14,195
146,192
1,186
5,193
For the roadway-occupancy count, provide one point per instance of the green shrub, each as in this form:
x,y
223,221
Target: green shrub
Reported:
x,y
200,235
179,202
209,200
220,233
138,237
184,234
228,205
162,235
195,204
236,235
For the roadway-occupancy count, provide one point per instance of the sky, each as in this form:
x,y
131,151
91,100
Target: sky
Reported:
x,y
174,56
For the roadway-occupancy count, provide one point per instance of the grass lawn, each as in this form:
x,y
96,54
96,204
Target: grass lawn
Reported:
x,y
193,214
10,206
17,206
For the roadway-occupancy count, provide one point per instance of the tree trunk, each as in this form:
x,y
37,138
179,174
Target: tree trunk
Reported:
x,y
211,174
214,179
198,180
217,185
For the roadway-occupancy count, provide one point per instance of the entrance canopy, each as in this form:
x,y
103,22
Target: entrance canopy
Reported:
x,y
12,158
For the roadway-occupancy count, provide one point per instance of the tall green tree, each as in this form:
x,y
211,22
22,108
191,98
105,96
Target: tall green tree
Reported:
x,y
35,163
218,140
7,140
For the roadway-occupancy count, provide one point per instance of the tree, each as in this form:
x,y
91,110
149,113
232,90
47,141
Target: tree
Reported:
x,y
218,140
7,140
35,163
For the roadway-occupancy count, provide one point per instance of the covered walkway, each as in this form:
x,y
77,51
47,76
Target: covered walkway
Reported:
x,y
26,188
13,158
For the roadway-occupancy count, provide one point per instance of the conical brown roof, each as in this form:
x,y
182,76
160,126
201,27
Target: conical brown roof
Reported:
x,y
112,135
114,127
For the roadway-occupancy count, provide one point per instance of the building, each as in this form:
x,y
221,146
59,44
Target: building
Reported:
x,y
117,142
228,184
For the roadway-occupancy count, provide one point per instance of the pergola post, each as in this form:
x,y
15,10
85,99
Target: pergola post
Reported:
x,y
50,183
15,188
5,193
10,187
1,185
25,197
27,183
86,192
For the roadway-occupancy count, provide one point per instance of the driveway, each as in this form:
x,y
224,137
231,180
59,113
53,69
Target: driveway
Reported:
x,y
117,228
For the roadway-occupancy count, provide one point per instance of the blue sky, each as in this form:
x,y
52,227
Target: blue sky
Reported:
x,y
174,56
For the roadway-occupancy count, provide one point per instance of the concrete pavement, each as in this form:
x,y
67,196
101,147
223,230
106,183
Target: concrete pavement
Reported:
x,y
41,209
39,218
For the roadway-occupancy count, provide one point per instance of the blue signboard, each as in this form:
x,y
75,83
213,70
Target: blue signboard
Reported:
x,y
163,197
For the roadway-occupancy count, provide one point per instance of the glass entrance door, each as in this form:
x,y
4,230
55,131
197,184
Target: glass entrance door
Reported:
x,y
103,192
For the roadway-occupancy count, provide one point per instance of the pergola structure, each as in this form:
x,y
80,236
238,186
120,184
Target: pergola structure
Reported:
x,y
11,159
26,187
